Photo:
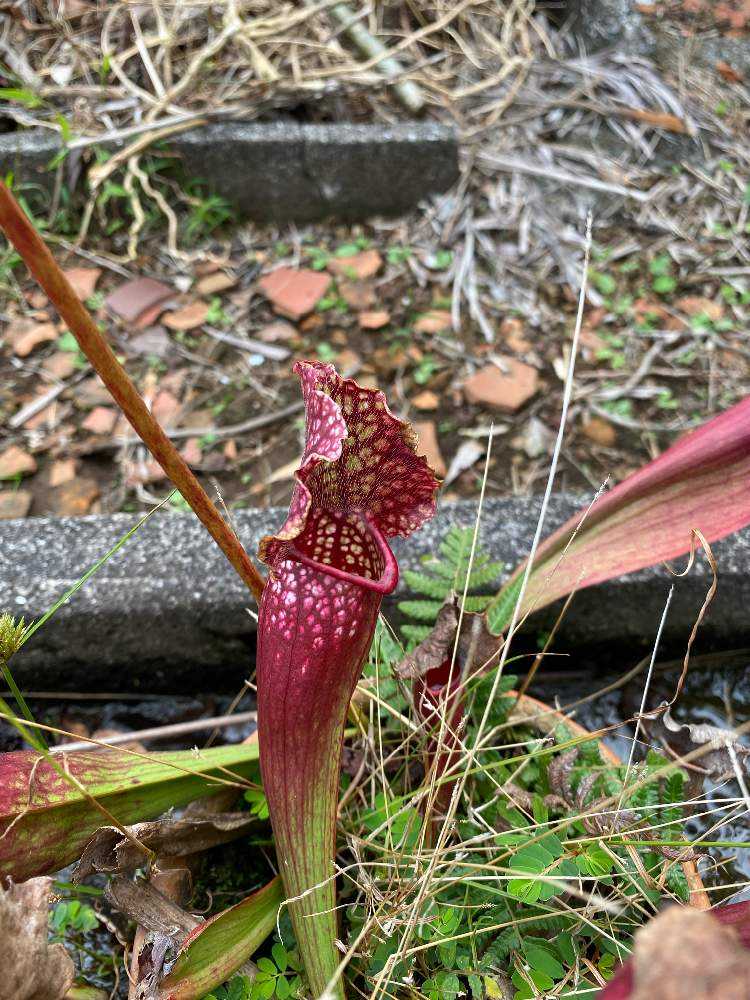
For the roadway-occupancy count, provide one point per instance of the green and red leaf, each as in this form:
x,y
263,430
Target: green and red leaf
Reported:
x,y
702,482
46,819
214,951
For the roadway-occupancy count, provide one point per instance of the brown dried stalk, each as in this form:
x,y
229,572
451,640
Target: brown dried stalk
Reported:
x,y
45,269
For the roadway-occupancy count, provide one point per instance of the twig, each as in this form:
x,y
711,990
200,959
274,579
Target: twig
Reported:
x,y
407,91
118,134
40,402
94,258
102,171
639,374
552,173
644,425
253,424
269,351
161,732
16,61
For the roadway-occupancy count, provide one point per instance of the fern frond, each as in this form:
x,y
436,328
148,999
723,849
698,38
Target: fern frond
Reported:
x,y
677,882
423,611
420,583
416,633
457,543
481,576
674,787
447,572
476,603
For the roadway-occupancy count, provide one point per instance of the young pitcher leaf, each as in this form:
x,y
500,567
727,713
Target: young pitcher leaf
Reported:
x,y
360,482
439,703
702,481
457,646
215,950
46,820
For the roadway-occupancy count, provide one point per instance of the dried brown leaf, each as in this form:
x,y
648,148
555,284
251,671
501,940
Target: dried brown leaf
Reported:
x,y
431,652
144,904
477,647
560,773
718,761
162,925
109,851
32,969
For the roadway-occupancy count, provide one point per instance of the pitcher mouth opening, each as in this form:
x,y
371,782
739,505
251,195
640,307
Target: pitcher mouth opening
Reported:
x,y
364,559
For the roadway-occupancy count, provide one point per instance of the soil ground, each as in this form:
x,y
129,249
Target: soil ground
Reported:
x,y
666,361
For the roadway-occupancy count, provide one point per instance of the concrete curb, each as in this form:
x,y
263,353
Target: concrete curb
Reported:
x,y
167,613
284,171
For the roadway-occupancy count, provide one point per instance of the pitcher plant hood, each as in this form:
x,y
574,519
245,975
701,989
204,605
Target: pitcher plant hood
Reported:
x,y
360,482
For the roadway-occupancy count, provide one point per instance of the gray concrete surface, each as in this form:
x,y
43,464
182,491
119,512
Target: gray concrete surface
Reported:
x,y
166,613
284,171
27,154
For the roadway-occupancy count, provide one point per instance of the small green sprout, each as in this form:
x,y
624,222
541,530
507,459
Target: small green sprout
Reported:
x,y
605,284
11,636
398,255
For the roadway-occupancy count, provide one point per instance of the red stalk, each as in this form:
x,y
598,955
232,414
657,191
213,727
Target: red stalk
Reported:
x,y
45,269
359,483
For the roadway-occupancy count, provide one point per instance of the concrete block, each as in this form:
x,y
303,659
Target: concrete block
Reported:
x,y
27,154
287,172
167,613
282,172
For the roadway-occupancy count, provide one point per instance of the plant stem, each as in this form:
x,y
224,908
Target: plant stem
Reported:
x,y
45,269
